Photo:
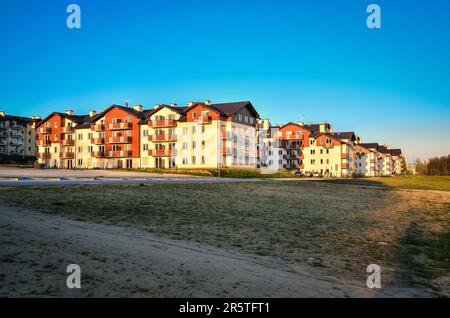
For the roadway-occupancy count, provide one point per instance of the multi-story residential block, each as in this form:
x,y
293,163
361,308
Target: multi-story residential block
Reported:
x,y
200,135
206,135
269,149
17,135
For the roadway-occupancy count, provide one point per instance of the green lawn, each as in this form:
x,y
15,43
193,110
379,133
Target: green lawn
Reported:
x,y
441,183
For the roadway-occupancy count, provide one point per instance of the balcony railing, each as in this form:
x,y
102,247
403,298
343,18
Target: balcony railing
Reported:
x,y
16,127
203,120
120,140
67,155
68,142
294,137
98,127
343,156
97,141
44,143
119,126
162,138
97,154
45,130
119,153
67,130
161,152
44,155
162,123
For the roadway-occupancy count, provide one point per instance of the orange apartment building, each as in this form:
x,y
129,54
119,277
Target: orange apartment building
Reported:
x,y
205,135
198,135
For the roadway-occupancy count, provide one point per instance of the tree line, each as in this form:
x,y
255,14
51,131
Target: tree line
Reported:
x,y
437,166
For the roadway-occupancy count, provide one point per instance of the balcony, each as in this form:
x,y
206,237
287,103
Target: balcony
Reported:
x,y
120,140
223,150
68,142
328,145
97,154
45,130
162,138
97,127
119,153
345,166
67,155
223,134
119,126
343,156
162,123
97,141
68,130
161,152
44,143
44,155
294,137
203,120
16,127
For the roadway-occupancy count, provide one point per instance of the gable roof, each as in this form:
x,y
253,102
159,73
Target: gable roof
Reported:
x,y
372,145
78,119
350,135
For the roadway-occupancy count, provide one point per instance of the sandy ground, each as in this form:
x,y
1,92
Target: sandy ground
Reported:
x,y
125,262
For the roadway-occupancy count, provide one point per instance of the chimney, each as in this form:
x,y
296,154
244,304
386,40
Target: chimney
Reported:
x,y
191,104
301,123
207,102
138,108
2,114
69,112
173,104
156,106
36,117
92,113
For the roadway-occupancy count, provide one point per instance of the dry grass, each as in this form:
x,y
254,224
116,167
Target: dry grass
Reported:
x,y
339,228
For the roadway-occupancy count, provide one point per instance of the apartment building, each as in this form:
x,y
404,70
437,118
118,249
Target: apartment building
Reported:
x,y
200,135
366,160
17,135
269,150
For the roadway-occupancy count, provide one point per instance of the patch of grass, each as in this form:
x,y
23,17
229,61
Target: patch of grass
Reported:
x,y
226,173
339,225
419,182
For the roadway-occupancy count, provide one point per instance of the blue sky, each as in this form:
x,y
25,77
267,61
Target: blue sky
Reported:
x,y
292,59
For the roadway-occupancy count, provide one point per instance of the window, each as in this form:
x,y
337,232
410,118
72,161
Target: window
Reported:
x,y
194,144
203,159
79,149
145,146
145,133
252,120
328,151
193,160
115,120
80,162
240,117
321,161
312,142
194,114
128,120
56,125
203,144
321,141
203,129
313,152
55,137
184,161
313,161
185,130
194,130
246,118
80,136
321,151
90,148
90,135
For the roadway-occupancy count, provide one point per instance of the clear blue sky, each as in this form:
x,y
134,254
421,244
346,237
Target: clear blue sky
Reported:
x,y
315,59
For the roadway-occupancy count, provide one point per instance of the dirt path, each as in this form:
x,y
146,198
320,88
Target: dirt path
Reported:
x,y
118,261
